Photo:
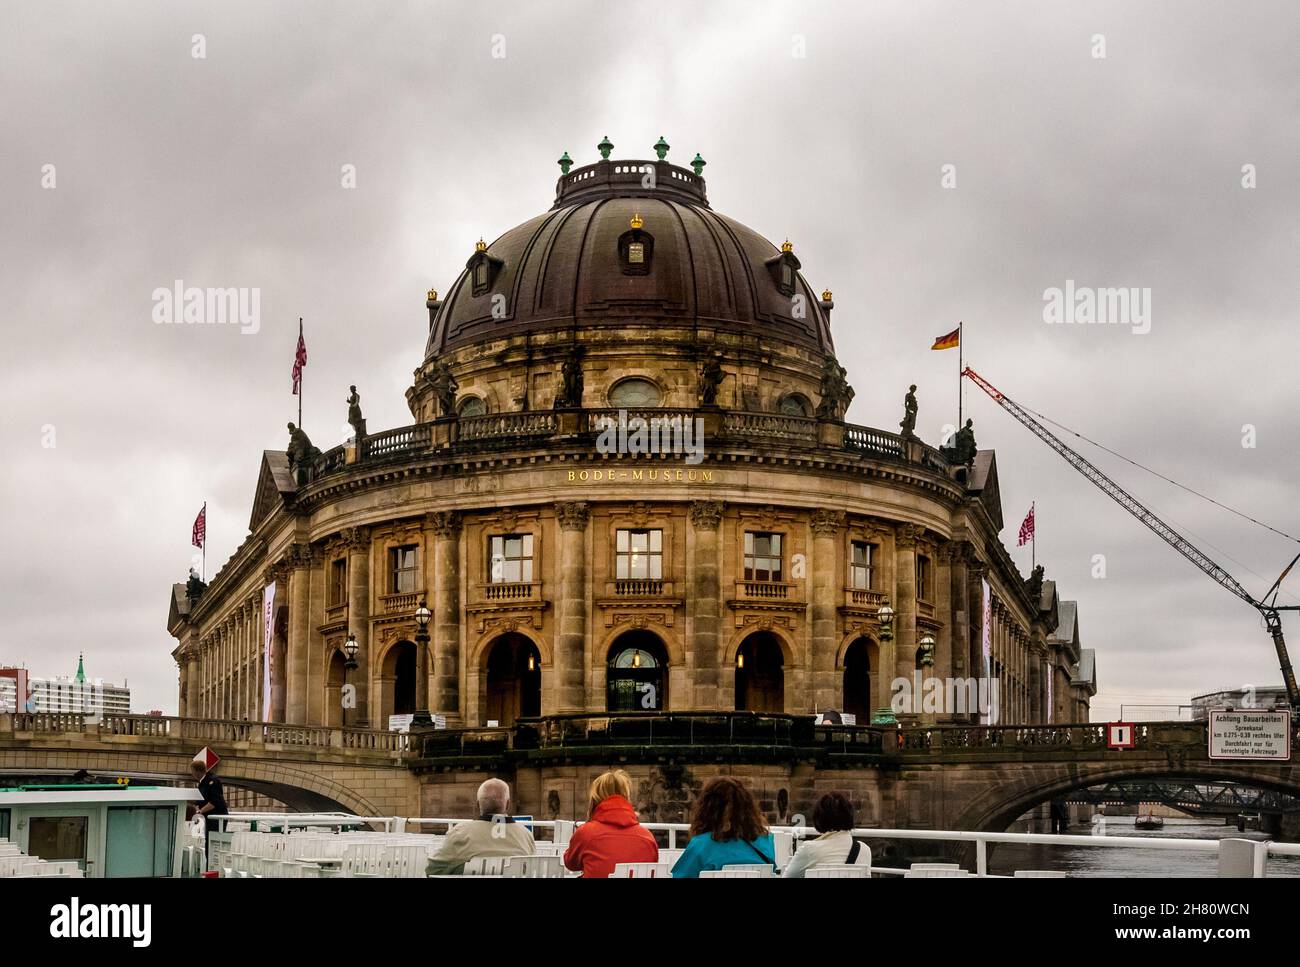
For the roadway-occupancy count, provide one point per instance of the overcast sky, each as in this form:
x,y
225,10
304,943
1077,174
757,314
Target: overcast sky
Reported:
x,y
829,123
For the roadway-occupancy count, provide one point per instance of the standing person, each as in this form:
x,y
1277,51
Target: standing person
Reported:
x,y
494,833
214,797
833,818
727,829
611,834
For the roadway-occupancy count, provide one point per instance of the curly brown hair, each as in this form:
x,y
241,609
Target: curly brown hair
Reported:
x,y
727,809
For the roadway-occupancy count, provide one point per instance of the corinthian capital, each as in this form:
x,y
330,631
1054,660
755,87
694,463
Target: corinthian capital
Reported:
x,y
445,523
706,514
573,515
827,522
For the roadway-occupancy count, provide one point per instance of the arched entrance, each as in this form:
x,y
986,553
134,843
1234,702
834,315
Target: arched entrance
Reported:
x,y
760,674
514,680
858,660
636,675
398,681
334,676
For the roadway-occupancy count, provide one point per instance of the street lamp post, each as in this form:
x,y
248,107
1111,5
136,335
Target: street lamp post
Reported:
x,y
349,649
422,616
885,713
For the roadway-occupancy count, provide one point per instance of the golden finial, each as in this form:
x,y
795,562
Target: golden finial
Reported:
x,y
637,221
826,295
786,246
480,245
433,295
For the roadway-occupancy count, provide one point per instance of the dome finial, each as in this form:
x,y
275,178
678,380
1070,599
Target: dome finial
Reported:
x,y
637,221
433,295
698,164
565,163
826,295
605,147
786,246
661,148
480,245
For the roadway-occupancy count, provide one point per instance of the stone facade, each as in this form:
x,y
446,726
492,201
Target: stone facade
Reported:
x,y
566,578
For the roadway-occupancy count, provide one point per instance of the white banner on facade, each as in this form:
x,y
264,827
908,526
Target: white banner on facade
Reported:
x,y
986,622
268,634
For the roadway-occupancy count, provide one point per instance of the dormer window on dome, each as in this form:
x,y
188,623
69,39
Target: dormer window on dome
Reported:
x,y
482,268
636,248
783,268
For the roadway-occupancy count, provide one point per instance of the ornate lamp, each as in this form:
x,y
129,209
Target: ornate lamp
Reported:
x,y
422,616
885,713
350,649
605,147
565,163
927,651
698,164
661,148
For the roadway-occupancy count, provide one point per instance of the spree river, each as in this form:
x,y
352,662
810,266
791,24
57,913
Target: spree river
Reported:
x,y
1005,858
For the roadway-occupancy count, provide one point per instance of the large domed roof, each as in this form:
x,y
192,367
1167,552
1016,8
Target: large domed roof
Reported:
x,y
572,268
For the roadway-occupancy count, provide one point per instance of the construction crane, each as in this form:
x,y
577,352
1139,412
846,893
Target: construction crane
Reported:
x,y
1267,607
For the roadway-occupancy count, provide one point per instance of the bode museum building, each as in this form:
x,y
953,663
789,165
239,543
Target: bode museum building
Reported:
x,y
627,487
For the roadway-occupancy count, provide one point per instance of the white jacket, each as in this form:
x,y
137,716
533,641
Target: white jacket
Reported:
x,y
828,848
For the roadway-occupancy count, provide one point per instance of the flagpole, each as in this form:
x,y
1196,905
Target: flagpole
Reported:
x,y
300,369
205,542
961,349
1033,543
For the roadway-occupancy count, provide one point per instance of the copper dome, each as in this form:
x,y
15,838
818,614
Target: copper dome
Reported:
x,y
568,268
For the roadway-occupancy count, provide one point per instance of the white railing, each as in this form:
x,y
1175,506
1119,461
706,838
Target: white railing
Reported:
x,y
561,830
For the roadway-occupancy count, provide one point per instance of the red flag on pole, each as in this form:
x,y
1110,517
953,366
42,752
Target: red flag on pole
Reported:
x,y
299,361
199,535
1027,528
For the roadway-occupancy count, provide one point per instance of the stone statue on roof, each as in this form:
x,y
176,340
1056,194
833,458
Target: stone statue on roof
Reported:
x,y
963,449
909,413
301,454
710,380
355,419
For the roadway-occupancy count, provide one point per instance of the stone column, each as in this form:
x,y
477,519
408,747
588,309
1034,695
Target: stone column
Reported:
x,y
905,602
827,526
299,559
571,607
703,648
317,660
446,615
193,682
943,609
357,542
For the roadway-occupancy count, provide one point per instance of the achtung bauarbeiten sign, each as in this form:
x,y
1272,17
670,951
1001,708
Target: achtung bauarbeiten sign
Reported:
x,y
1250,734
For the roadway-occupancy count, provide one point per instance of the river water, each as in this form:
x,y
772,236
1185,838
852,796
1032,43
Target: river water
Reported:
x,y
1005,858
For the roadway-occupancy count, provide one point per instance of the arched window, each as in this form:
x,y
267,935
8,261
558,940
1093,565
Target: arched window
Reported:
x,y
635,391
471,406
794,405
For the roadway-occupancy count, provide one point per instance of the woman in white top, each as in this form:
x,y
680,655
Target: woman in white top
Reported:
x,y
833,818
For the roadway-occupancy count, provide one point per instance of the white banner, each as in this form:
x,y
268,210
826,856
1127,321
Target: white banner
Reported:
x,y
986,622
1242,733
268,634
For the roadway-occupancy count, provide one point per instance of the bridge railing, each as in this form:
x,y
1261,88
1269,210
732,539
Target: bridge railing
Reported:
x,y
205,731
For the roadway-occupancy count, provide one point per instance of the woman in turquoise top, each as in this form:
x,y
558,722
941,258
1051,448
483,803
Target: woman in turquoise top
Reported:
x,y
727,829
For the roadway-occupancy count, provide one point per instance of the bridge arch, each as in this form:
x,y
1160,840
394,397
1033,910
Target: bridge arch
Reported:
x,y
1011,796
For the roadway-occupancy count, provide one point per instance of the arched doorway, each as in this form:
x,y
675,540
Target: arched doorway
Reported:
x,y
760,674
857,679
514,680
334,676
636,674
398,681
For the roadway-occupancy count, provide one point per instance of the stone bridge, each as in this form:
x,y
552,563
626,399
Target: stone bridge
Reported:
x,y
306,768
942,777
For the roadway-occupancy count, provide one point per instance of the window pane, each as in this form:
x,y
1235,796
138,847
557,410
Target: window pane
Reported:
x,y
640,541
775,545
749,542
528,545
620,567
622,541
640,566
656,567
527,570
656,540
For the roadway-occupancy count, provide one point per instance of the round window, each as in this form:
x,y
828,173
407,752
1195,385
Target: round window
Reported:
x,y
794,406
635,392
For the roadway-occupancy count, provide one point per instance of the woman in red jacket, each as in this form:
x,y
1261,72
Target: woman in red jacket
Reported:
x,y
611,834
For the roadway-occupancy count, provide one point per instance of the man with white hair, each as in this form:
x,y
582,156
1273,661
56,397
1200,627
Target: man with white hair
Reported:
x,y
494,833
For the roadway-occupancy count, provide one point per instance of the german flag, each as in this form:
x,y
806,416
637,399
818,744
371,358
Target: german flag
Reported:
x,y
950,341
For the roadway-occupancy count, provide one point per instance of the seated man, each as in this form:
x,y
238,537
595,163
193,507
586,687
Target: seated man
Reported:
x,y
494,833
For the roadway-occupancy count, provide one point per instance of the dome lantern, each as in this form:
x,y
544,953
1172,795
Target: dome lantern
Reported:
x,y
698,163
661,148
565,163
605,147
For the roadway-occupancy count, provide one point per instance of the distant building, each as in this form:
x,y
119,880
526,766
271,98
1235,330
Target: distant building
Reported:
x,y
1264,697
74,694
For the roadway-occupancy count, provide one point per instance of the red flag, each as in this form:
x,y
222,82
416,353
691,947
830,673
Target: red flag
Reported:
x,y
299,360
199,535
1027,528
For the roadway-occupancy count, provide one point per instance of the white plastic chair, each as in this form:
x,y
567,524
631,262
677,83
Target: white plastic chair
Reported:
x,y
838,871
534,867
765,872
640,871
484,866
737,873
